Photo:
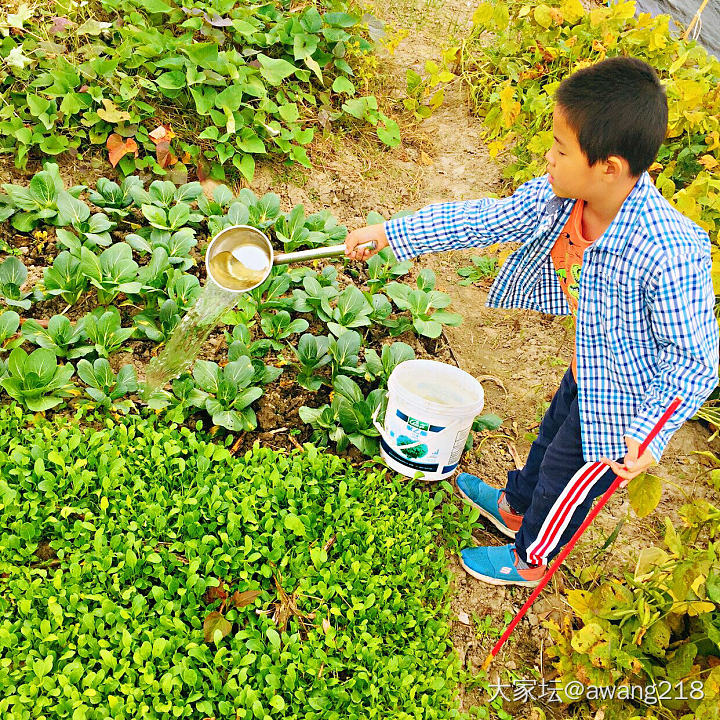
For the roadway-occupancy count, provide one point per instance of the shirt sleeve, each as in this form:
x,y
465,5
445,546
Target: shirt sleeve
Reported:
x,y
473,223
684,324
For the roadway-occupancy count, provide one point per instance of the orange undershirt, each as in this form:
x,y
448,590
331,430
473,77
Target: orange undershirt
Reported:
x,y
567,254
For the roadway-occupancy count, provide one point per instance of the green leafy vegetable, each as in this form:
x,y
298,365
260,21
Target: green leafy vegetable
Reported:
x,y
36,380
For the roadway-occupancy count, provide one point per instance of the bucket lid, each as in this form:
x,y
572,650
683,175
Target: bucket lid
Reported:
x,y
443,388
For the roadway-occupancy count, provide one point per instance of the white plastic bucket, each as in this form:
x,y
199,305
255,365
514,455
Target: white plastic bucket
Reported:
x,y
431,408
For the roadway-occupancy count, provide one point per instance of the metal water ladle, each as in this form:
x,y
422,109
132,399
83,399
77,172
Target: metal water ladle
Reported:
x,y
240,257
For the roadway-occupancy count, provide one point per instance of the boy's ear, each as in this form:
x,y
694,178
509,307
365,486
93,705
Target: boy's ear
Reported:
x,y
616,167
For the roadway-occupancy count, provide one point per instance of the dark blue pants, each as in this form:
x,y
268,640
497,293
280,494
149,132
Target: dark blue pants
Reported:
x,y
556,488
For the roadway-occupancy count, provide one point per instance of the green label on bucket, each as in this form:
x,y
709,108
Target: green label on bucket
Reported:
x,y
419,424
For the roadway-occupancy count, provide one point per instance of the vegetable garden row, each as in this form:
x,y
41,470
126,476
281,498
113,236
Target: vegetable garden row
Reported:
x,y
97,257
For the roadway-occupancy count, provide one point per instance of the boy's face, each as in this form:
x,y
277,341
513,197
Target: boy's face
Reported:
x,y
570,174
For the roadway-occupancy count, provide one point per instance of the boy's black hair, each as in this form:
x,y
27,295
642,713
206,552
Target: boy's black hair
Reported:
x,y
616,107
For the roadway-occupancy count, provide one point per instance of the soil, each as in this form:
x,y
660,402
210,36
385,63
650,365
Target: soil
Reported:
x,y
520,356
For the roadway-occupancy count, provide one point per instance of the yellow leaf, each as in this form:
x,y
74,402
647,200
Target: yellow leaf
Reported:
x,y
712,684
597,16
573,11
111,114
692,93
579,601
504,255
580,65
658,39
715,270
509,106
708,162
688,206
693,608
624,11
649,559
644,493
540,142
713,140
495,147
655,166
698,582
678,63
501,16
543,16
587,637
483,14
229,121
451,54
437,99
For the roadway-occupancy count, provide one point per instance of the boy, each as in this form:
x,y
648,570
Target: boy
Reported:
x,y
645,328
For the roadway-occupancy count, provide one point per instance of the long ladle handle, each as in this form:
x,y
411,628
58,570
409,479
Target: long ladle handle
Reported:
x,y
317,253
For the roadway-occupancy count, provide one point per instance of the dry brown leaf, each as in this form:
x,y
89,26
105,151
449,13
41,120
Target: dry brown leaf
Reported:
x,y
519,464
216,592
286,607
162,133
236,445
425,159
245,598
203,169
118,148
164,155
325,625
216,621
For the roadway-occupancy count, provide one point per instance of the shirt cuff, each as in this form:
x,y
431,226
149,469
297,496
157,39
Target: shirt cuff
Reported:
x,y
400,239
642,426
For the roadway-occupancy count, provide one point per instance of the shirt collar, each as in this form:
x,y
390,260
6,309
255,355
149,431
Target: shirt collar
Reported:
x,y
617,234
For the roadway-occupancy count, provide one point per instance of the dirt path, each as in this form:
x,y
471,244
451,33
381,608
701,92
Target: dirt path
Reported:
x,y
445,160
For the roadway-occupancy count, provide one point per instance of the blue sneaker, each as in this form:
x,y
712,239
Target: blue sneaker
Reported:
x,y
498,566
487,500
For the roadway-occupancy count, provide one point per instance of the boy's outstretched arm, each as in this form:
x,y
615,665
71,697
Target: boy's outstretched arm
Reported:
x,y
457,225
684,324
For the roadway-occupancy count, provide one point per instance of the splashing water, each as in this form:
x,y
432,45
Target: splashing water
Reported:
x,y
188,337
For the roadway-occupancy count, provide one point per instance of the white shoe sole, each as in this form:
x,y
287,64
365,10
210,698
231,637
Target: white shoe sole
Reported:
x,y
504,529
498,581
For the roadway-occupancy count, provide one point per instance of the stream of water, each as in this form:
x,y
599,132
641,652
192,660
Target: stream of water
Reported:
x,y
188,337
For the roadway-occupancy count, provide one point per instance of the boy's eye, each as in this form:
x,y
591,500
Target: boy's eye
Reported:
x,y
560,153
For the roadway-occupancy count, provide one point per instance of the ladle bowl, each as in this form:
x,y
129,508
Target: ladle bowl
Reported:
x,y
252,253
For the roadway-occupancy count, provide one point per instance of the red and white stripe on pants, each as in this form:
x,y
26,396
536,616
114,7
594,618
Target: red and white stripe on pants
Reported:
x,y
562,511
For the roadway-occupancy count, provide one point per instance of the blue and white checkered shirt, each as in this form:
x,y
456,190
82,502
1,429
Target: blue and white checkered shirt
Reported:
x,y
646,332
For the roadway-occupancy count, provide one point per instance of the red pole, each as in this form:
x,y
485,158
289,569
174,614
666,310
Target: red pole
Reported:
x,y
566,550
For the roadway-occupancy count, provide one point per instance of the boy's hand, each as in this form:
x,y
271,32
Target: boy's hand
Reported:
x,y
369,233
632,465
